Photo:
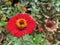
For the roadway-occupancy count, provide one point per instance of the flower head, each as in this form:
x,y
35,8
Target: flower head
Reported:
x,y
40,29
8,3
3,18
17,5
50,25
20,25
24,8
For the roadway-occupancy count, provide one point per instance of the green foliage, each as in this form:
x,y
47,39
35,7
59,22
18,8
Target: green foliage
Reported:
x,y
38,39
58,43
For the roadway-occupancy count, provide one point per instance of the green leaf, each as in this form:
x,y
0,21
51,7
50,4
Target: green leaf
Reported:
x,y
2,23
57,43
17,42
38,38
29,40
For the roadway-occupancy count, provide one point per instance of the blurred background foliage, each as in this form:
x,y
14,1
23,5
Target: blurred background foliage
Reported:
x,y
40,10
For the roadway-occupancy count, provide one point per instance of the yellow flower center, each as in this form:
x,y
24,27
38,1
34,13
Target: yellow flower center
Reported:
x,y
21,23
16,5
24,8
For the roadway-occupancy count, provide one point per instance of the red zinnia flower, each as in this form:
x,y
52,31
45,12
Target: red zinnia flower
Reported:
x,y
40,29
20,25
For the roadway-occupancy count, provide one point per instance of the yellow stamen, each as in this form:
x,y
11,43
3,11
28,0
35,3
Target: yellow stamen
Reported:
x,y
24,8
3,18
21,23
16,5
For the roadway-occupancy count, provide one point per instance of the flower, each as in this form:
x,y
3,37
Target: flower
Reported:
x,y
8,3
20,25
40,29
24,8
51,25
17,5
3,18
49,8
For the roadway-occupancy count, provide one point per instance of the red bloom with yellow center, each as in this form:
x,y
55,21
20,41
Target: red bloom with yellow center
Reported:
x,y
20,25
